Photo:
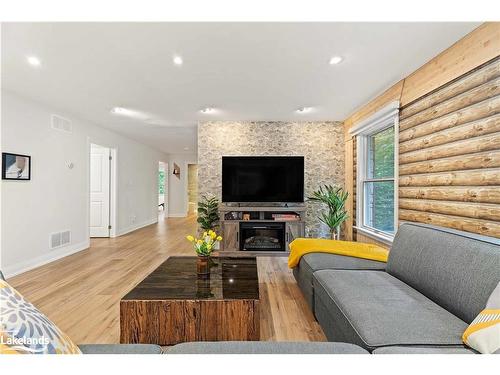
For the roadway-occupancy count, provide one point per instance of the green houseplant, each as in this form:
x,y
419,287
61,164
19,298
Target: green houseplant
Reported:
x,y
208,213
334,198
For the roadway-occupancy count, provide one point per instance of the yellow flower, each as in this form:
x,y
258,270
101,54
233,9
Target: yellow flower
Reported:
x,y
190,238
199,242
205,234
213,235
219,238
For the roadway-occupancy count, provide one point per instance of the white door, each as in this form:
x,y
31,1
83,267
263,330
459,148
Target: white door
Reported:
x,y
99,191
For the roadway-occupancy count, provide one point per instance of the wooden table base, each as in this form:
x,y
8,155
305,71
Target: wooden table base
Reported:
x,y
174,321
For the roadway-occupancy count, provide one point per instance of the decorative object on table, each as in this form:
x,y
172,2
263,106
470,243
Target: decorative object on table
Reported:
x,y
16,167
334,198
208,213
204,246
177,171
232,215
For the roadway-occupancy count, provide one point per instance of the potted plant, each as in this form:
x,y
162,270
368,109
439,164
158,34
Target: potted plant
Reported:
x,y
208,213
334,198
204,246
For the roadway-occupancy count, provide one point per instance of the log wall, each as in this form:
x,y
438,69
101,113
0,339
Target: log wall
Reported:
x,y
449,154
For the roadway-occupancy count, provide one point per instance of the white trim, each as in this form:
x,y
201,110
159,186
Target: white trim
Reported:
x,y
385,118
113,188
134,227
377,121
177,215
380,237
51,256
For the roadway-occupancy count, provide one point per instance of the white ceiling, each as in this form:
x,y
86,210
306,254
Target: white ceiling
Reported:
x,y
247,71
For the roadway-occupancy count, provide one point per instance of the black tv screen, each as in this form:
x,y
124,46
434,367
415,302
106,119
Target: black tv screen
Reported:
x,y
263,179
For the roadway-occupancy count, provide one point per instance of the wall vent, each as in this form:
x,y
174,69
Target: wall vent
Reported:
x,y
61,124
60,239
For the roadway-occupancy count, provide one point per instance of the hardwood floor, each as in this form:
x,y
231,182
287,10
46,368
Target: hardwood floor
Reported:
x,y
81,293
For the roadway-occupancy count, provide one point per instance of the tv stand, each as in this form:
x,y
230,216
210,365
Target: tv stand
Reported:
x,y
240,225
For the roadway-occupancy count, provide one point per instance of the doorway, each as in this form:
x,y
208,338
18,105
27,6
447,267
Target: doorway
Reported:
x,y
192,188
100,191
162,188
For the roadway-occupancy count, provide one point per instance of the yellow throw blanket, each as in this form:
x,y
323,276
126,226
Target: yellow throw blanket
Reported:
x,y
303,246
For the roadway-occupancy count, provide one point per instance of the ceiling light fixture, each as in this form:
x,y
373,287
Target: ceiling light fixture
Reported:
x,y
336,60
33,60
304,110
178,60
122,111
138,115
208,110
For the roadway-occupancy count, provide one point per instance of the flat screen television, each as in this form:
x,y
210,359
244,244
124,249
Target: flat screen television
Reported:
x,y
278,179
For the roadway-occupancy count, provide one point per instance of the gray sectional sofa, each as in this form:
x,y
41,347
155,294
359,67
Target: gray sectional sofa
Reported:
x,y
434,284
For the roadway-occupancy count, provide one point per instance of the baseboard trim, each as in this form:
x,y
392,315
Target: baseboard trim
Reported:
x,y
177,215
132,228
50,257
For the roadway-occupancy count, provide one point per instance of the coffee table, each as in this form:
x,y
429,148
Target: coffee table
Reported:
x,y
173,304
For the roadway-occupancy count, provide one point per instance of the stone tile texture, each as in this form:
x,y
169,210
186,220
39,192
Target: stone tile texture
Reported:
x,y
321,144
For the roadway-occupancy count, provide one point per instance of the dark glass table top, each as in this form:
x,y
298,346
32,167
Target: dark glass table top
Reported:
x,y
176,279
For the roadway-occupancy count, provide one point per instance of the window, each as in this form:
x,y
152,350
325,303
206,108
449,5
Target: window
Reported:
x,y
378,183
161,182
376,196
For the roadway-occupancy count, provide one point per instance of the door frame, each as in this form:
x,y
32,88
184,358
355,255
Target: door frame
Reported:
x,y
113,191
186,185
165,186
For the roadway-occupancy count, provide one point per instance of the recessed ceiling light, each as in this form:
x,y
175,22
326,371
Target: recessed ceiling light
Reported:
x,y
208,110
122,111
304,110
33,60
178,60
336,60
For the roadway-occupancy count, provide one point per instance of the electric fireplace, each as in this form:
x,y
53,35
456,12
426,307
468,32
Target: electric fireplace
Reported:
x,y
259,236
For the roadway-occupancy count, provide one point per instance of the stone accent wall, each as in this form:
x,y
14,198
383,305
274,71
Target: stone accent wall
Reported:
x,y
321,144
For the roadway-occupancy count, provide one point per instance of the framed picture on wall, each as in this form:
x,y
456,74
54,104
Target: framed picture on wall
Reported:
x,y
16,167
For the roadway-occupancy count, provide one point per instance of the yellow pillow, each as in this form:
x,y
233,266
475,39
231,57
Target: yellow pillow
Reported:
x,y
24,329
483,334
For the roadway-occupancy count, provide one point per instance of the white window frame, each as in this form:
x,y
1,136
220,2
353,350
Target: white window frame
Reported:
x,y
385,118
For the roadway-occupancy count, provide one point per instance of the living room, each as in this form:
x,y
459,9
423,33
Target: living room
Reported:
x,y
250,188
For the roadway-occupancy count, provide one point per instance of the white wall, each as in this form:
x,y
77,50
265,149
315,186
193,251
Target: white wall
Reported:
x,y
56,198
177,193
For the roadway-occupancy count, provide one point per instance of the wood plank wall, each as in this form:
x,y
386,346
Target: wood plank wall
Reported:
x,y
449,154
432,172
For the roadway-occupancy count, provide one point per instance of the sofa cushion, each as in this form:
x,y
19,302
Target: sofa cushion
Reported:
x,y
24,329
313,262
455,269
424,350
263,347
484,332
374,309
120,349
